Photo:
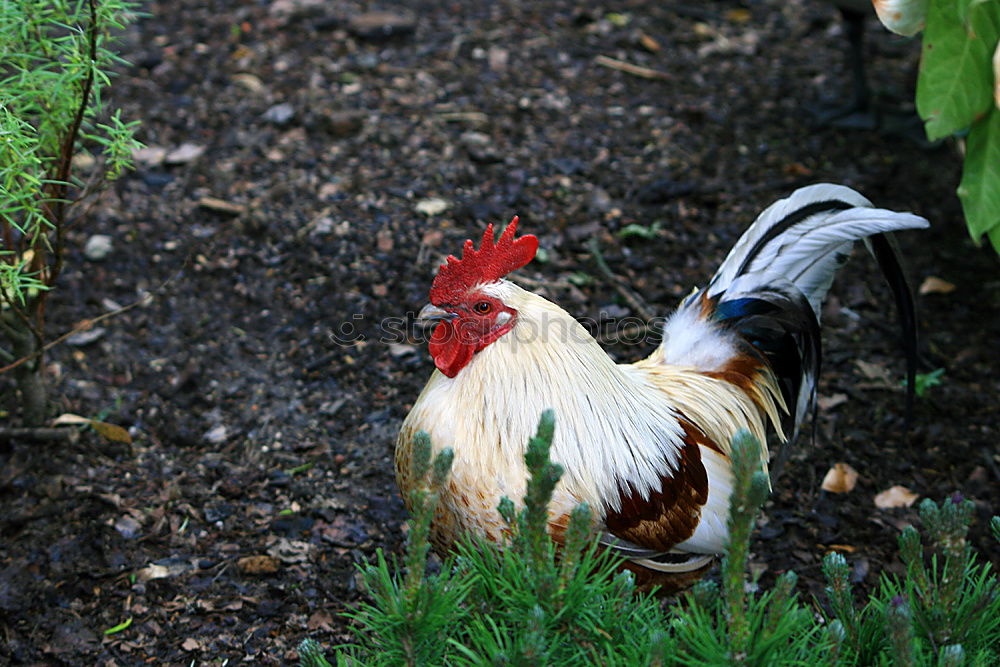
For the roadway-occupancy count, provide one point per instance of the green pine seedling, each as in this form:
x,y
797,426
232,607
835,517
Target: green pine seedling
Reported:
x,y
736,627
311,654
408,614
945,610
531,603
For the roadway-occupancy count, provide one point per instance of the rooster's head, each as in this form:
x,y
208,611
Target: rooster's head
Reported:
x,y
469,314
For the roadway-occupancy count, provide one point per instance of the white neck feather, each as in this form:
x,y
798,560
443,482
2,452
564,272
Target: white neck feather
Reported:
x,y
611,422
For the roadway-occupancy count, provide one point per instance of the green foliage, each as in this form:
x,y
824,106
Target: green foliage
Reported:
x,y
735,627
955,95
641,231
955,86
946,610
523,605
531,605
923,382
979,189
56,65
311,654
410,613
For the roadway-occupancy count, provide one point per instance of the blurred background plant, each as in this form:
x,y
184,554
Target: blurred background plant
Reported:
x,y
958,92
58,146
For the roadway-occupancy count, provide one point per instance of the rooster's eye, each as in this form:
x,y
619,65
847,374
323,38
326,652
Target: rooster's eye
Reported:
x,y
483,307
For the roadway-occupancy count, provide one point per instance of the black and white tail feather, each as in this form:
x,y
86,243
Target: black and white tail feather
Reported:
x,y
771,286
765,301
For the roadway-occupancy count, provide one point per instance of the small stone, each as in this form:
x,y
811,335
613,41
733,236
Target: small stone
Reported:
x,y
83,160
340,124
600,200
217,434
279,114
384,241
498,57
151,156
480,147
86,337
98,247
322,226
127,527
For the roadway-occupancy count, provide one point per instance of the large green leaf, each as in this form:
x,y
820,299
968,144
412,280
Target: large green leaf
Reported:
x,y
980,186
955,85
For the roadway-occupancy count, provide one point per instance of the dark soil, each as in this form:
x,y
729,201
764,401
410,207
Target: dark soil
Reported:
x,y
257,434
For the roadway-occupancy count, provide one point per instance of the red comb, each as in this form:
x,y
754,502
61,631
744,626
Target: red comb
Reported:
x,y
490,263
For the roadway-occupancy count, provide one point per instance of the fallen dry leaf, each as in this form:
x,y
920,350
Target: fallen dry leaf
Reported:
x,y
320,620
896,496
433,206
248,81
875,372
935,285
258,564
648,43
840,478
290,551
111,432
738,15
167,567
69,418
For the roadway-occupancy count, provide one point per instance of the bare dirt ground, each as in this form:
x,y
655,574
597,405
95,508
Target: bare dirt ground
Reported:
x,y
257,435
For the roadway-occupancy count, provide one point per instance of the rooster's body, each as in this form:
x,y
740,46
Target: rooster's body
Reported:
x,y
645,445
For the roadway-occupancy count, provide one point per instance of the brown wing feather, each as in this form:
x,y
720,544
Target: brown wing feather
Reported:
x,y
670,514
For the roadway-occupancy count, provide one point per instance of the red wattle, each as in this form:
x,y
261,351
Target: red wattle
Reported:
x,y
449,352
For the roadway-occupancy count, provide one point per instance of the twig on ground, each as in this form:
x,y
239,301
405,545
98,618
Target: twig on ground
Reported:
x,y
629,68
41,433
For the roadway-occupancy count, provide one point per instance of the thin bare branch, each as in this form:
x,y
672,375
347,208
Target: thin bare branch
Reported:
x,y
87,324
22,315
66,155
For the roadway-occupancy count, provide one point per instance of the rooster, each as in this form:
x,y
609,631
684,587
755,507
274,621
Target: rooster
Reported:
x,y
645,445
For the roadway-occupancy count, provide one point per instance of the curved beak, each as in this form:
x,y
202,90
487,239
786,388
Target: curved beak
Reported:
x,y
430,314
